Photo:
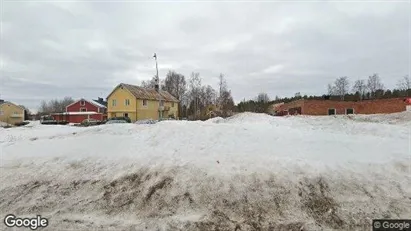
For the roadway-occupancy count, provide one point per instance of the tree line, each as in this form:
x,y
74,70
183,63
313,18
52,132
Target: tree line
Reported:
x,y
371,88
340,89
196,99
54,105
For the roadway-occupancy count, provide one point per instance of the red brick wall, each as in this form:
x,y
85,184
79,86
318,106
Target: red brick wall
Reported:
x,y
320,107
384,106
295,104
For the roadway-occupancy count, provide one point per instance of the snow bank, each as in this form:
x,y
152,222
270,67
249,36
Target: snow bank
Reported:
x,y
251,171
215,120
394,118
3,124
249,117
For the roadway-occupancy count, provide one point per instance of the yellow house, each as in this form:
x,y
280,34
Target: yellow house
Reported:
x,y
11,113
139,103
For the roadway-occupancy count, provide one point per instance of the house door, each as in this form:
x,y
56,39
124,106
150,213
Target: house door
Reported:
x,y
125,114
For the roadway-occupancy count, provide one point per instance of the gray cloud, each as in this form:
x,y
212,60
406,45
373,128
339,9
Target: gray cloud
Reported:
x,y
83,49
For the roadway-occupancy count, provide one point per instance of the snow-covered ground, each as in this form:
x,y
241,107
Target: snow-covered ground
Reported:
x,y
3,124
247,172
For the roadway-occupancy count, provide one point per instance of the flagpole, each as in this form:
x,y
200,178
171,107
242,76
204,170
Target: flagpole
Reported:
x,y
158,89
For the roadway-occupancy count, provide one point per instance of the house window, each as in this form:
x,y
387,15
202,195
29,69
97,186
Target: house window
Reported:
x,y
82,103
114,103
83,109
172,104
161,103
349,111
127,102
144,102
125,114
331,111
1,113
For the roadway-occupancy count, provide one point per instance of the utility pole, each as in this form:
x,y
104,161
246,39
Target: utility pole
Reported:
x,y
157,87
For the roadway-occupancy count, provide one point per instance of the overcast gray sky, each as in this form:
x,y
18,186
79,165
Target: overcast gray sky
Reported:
x,y
84,49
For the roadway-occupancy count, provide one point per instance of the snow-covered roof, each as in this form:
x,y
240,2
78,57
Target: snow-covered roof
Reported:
x,y
95,103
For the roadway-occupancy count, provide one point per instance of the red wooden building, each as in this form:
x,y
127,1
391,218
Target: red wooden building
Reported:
x,y
82,109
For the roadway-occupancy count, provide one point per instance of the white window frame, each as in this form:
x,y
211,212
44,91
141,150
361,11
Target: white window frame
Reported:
x,y
161,103
353,111
127,102
146,104
85,109
114,102
335,111
82,103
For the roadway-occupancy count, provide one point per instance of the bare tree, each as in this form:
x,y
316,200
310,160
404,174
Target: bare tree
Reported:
x,y
149,84
44,107
405,84
224,100
175,84
227,103
331,89
64,103
55,105
341,86
194,92
263,98
222,87
360,87
374,84
208,95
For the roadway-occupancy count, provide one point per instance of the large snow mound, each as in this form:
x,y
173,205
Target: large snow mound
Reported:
x,y
215,120
248,117
247,172
394,118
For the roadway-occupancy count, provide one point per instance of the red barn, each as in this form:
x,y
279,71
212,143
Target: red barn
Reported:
x,y
82,109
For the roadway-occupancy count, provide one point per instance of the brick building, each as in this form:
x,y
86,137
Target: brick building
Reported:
x,y
330,107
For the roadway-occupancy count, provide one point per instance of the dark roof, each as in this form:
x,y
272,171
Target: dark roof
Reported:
x,y
100,101
144,93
